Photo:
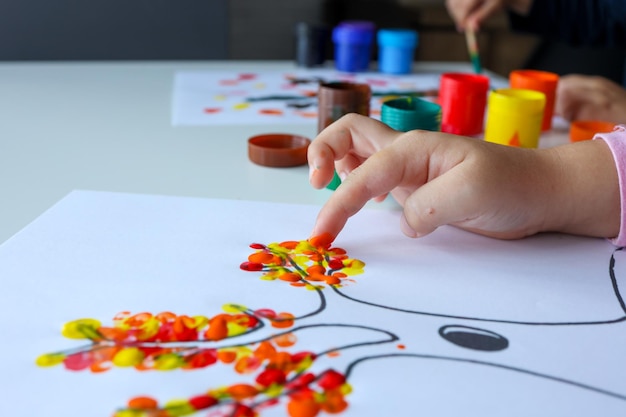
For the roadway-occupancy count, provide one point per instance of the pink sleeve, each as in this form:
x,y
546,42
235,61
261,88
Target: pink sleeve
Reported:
x,y
617,143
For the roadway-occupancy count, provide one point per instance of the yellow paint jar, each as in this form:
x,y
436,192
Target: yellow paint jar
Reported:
x,y
514,117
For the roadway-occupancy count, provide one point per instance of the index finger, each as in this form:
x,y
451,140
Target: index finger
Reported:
x,y
381,173
352,134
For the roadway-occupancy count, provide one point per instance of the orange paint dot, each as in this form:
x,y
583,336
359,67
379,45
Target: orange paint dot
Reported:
x,y
322,241
282,360
333,354
271,112
285,340
400,346
165,316
265,351
289,277
97,368
112,333
212,110
261,257
226,356
247,364
290,244
218,328
283,320
182,323
303,408
316,277
242,391
143,403
307,114
334,404
316,270
138,319
333,280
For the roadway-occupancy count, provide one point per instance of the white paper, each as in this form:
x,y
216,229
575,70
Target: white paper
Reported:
x,y
554,298
221,97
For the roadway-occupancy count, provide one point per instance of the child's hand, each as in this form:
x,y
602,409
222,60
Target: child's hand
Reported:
x,y
438,179
582,97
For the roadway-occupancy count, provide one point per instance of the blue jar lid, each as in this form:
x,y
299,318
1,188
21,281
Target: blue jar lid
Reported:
x,y
355,31
399,38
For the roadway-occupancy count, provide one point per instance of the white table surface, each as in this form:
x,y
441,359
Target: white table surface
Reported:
x,y
107,126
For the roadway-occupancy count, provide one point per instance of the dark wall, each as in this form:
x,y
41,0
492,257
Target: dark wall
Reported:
x,y
566,59
113,29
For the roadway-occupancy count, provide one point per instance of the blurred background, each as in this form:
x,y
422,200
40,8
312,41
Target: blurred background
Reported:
x,y
264,30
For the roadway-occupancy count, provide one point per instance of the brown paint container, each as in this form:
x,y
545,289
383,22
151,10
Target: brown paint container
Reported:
x,y
336,99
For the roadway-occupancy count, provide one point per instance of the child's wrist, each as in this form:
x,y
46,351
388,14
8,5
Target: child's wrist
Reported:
x,y
616,141
586,192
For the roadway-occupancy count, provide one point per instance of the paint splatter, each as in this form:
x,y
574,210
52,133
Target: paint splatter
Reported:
x,y
212,110
306,262
241,106
271,112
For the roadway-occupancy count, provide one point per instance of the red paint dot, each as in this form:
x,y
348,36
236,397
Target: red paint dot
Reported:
x,y
202,402
247,76
212,110
271,376
251,266
331,379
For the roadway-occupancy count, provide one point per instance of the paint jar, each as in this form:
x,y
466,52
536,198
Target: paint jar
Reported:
x,y
396,48
353,41
514,117
336,99
311,44
586,129
463,99
410,113
543,81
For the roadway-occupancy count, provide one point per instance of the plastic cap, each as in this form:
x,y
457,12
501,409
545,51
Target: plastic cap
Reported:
x,y
518,100
278,149
399,38
355,32
586,129
409,113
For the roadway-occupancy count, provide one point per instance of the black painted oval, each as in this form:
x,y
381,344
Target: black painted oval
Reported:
x,y
474,338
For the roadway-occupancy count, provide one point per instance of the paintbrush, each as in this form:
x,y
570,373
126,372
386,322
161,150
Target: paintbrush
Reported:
x,y
472,48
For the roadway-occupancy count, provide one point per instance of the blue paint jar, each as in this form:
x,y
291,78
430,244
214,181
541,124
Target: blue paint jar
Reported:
x,y
396,48
353,41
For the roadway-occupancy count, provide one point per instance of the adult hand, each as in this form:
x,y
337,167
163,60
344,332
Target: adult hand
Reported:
x,y
469,14
582,97
494,190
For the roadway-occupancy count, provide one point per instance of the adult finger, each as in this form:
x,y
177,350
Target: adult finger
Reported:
x,y
483,11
